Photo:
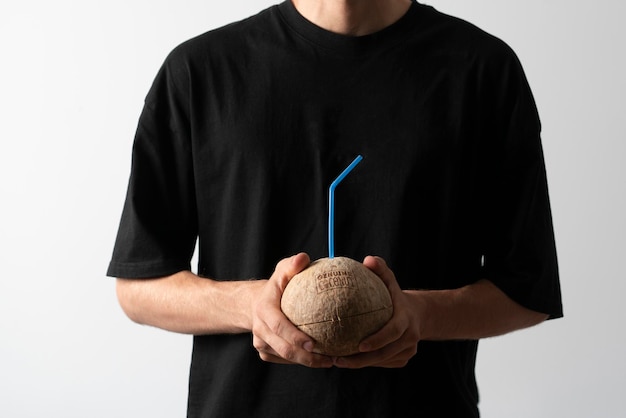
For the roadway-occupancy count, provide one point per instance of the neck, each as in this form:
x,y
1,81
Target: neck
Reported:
x,y
352,17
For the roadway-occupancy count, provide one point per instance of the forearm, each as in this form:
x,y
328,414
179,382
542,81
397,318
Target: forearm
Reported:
x,y
476,311
188,304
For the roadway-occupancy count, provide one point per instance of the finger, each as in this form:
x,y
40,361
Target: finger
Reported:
x,y
282,336
279,351
394,355
390,333
275,321
274,329
379,266
289,267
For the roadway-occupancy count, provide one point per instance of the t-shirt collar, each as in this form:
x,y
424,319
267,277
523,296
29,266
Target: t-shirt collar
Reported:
x,y
346,43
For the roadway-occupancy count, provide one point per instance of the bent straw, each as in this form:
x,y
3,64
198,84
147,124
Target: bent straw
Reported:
x,y
331,205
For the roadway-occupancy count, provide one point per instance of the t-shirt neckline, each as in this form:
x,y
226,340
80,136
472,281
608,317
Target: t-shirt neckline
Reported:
x,y
346,43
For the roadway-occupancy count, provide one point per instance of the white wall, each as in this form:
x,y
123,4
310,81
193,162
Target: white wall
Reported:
x,y
73,75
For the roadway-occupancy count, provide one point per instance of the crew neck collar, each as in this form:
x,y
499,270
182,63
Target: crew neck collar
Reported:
x,y
346,43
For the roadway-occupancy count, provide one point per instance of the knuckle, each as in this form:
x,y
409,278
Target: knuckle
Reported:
x,y
288,353
265,357
275,326
259,345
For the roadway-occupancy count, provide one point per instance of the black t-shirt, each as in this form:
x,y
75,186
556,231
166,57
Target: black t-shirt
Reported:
x,y
246,126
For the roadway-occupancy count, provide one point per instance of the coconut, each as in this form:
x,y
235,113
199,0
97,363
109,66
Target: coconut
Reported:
x,y
337,302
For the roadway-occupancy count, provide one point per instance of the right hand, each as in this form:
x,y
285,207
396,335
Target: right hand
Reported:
x,y
275,338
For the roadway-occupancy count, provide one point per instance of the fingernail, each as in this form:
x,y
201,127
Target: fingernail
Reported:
x,y
308,346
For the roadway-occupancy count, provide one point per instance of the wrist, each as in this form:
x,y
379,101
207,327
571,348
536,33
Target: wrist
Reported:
x,y
236,300
432,308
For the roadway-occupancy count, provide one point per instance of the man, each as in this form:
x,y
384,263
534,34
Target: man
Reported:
x,y
244,129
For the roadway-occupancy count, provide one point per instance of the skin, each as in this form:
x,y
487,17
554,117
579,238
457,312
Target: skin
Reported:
x,y
186,303
352,17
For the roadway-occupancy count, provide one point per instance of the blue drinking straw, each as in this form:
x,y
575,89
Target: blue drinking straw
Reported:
x,y
331,205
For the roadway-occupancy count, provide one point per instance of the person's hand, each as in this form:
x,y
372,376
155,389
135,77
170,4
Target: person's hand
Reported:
x,y
394,344
275,338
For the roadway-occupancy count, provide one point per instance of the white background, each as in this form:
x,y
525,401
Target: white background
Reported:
x,y
73,75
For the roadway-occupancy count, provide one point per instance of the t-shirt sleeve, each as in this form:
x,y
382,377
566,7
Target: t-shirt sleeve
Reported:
x,y
520,253
158,227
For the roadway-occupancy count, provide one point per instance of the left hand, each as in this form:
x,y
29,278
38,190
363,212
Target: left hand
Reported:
x,y
396,343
